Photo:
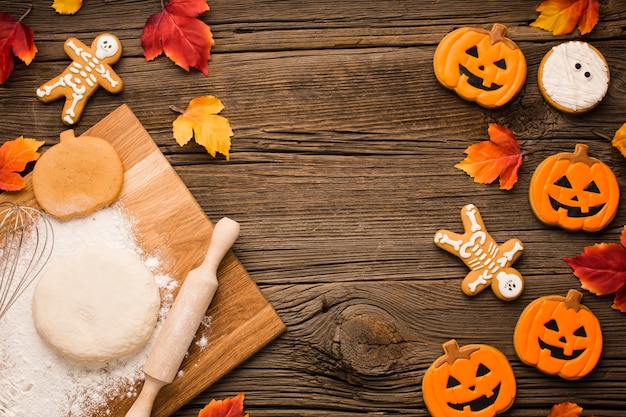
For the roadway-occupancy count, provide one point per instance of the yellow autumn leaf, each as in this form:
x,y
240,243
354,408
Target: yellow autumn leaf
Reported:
x,y
67,6
619,140
202,122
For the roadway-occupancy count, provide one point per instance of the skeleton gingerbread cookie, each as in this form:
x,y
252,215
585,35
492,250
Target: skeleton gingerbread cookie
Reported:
x,y
489,263
90,69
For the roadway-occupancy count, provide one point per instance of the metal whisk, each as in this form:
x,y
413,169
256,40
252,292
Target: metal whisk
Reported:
x,y
26,241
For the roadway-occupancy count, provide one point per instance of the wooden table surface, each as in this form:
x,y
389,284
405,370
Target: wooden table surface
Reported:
x,y
341,171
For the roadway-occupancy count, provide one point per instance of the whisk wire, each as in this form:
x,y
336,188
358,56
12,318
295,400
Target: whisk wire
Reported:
x,y
27,242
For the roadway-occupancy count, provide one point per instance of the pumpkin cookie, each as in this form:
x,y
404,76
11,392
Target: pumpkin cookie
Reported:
x,y
559,336
573,77
489,263
480,65
476,378
77,176
574,191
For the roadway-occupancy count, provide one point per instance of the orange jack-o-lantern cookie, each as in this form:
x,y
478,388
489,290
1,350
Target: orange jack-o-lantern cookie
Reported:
x,y
469,381
77,176
559,336
481,65
574,191
489,263
90,69
573,77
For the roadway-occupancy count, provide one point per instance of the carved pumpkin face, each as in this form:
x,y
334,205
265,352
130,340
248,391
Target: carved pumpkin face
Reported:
x,y
481,65
559,336
574,191
469,381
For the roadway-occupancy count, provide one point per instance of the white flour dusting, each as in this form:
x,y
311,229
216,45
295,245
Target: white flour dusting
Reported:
x,y
34,380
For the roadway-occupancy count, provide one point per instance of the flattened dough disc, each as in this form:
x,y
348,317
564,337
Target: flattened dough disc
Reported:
x,y
96,305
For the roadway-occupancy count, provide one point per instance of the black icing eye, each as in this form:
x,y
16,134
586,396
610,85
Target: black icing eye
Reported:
x,y
482,370
578,66
501,63
473,51
452,382
552,325
587,74
563,182
580,332
592,187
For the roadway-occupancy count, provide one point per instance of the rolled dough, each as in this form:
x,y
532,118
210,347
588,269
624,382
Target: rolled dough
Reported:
x,y
96,305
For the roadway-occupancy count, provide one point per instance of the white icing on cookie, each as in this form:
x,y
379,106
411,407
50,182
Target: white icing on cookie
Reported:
x,y
575,76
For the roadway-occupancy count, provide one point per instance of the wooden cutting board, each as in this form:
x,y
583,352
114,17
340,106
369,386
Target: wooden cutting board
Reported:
x,y
170,222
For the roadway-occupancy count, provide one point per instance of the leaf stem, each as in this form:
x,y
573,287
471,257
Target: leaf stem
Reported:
x,y
30,7
177,109
602,135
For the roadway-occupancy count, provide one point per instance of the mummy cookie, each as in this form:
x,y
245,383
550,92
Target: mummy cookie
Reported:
x,y
472,380
574,191
90,69
489,263
559,336
481,65
573,77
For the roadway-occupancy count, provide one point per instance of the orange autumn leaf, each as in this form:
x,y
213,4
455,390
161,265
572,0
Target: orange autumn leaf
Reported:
x,y
202,122
16,39
562,16
224,408
67,6
498,157
601,269
566,409
178,32
14,155
619,140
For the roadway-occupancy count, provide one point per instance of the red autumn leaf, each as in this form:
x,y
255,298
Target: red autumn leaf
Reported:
x,y
230,407
565,410
562,16
498,157
14,155
601,269
16,39
176,31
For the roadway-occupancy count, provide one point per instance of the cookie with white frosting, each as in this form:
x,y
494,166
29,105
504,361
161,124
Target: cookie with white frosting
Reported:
x,y
574,77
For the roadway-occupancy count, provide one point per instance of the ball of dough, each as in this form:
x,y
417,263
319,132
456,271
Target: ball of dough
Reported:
x,y
96,305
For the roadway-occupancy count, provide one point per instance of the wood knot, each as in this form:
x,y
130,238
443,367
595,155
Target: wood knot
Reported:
x,y
367,340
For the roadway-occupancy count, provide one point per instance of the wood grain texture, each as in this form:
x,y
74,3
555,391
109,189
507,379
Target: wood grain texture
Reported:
x,y
341,170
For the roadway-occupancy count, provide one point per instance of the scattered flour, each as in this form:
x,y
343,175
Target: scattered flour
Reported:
x,y
34,380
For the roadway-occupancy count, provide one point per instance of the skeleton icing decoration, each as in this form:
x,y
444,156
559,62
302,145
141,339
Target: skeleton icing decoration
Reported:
x,y
90,68
573,77
489,263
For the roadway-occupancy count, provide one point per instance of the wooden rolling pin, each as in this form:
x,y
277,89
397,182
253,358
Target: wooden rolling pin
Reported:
x,y
183,320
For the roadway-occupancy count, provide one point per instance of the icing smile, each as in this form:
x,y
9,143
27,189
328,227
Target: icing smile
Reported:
x,y
479,403
558,353
575,212
477,82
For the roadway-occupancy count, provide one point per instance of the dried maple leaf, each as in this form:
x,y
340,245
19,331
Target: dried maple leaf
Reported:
x,y
67,6
202,122
601,269
176,31
498,157
14,155
224,408
619,140
16,39
565,410
562,16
